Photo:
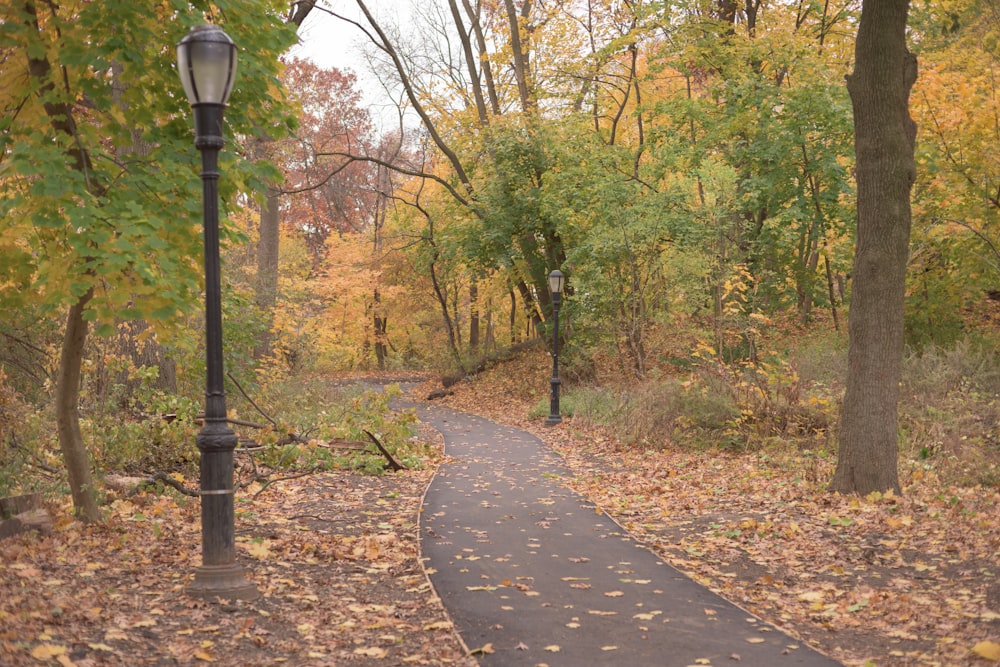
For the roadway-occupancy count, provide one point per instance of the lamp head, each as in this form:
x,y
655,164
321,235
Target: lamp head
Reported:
x,y
206,61
556,280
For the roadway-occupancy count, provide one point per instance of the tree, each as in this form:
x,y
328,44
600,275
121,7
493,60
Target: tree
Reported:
x,y
884,144
94,228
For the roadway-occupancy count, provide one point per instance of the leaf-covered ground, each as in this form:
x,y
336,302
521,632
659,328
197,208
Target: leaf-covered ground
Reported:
x,y
910,580
334,555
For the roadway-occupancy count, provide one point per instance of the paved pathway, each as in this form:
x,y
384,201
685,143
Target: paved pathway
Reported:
x,y
532,572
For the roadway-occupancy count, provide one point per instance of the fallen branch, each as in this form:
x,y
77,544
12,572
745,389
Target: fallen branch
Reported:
x,y
251,401
395,465
488,361
266,482
132,485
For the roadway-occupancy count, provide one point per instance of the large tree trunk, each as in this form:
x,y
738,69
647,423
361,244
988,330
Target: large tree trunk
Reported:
x,y
74,452
884,144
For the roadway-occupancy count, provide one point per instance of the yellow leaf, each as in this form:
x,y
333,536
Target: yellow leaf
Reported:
x,y
609,648
988,650
101,647
204,656
553,648
613,594
439,625
259,550
47,651
371,652
756,640
485,649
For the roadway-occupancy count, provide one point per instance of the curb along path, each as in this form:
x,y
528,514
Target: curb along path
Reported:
x,y
529,570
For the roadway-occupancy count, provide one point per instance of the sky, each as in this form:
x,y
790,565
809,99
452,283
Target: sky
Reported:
x,y
331,42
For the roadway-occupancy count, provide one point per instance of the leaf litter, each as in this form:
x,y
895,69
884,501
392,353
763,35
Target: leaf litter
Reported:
x,y
884,580
335,557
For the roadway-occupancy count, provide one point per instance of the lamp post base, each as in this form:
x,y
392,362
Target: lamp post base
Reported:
x,y
222,581
552,420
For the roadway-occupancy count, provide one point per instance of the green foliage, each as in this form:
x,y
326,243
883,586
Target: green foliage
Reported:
x,y
323,411
115,205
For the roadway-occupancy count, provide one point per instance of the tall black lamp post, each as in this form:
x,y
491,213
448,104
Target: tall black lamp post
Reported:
x,y
556,279
206,60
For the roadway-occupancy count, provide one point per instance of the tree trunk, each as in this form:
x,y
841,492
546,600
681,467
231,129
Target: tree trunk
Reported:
x,y
474,316
513,317
267,268
381,339
522,63
884,145
74,451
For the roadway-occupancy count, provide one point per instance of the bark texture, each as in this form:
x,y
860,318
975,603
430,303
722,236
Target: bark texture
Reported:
x,y
74,452
884,146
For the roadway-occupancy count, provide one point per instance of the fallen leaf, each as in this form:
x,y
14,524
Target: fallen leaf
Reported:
x,y
613,594
47,651
553,648
609,648
439,625
204,656
485,649
371,652
988,650
756,640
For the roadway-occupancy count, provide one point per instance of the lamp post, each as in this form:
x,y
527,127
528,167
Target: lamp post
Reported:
x,y
206,60
556,279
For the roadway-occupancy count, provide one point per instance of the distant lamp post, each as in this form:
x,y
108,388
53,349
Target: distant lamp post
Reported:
x,y
556,280
206,60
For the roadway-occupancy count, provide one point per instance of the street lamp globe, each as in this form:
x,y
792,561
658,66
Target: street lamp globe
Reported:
x,y
556,279
206,60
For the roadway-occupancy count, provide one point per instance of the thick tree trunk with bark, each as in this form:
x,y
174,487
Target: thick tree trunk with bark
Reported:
x,y
884,145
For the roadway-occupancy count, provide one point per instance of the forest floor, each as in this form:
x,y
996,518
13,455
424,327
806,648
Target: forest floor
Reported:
x,y
887,580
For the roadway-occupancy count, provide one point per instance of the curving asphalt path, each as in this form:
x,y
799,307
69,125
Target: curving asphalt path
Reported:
x,y
531,573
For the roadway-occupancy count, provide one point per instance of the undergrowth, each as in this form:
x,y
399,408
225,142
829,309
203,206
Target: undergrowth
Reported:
x,y
155,432
949,412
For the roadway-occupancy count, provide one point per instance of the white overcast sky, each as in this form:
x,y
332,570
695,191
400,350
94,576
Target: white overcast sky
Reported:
x,y
331,42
